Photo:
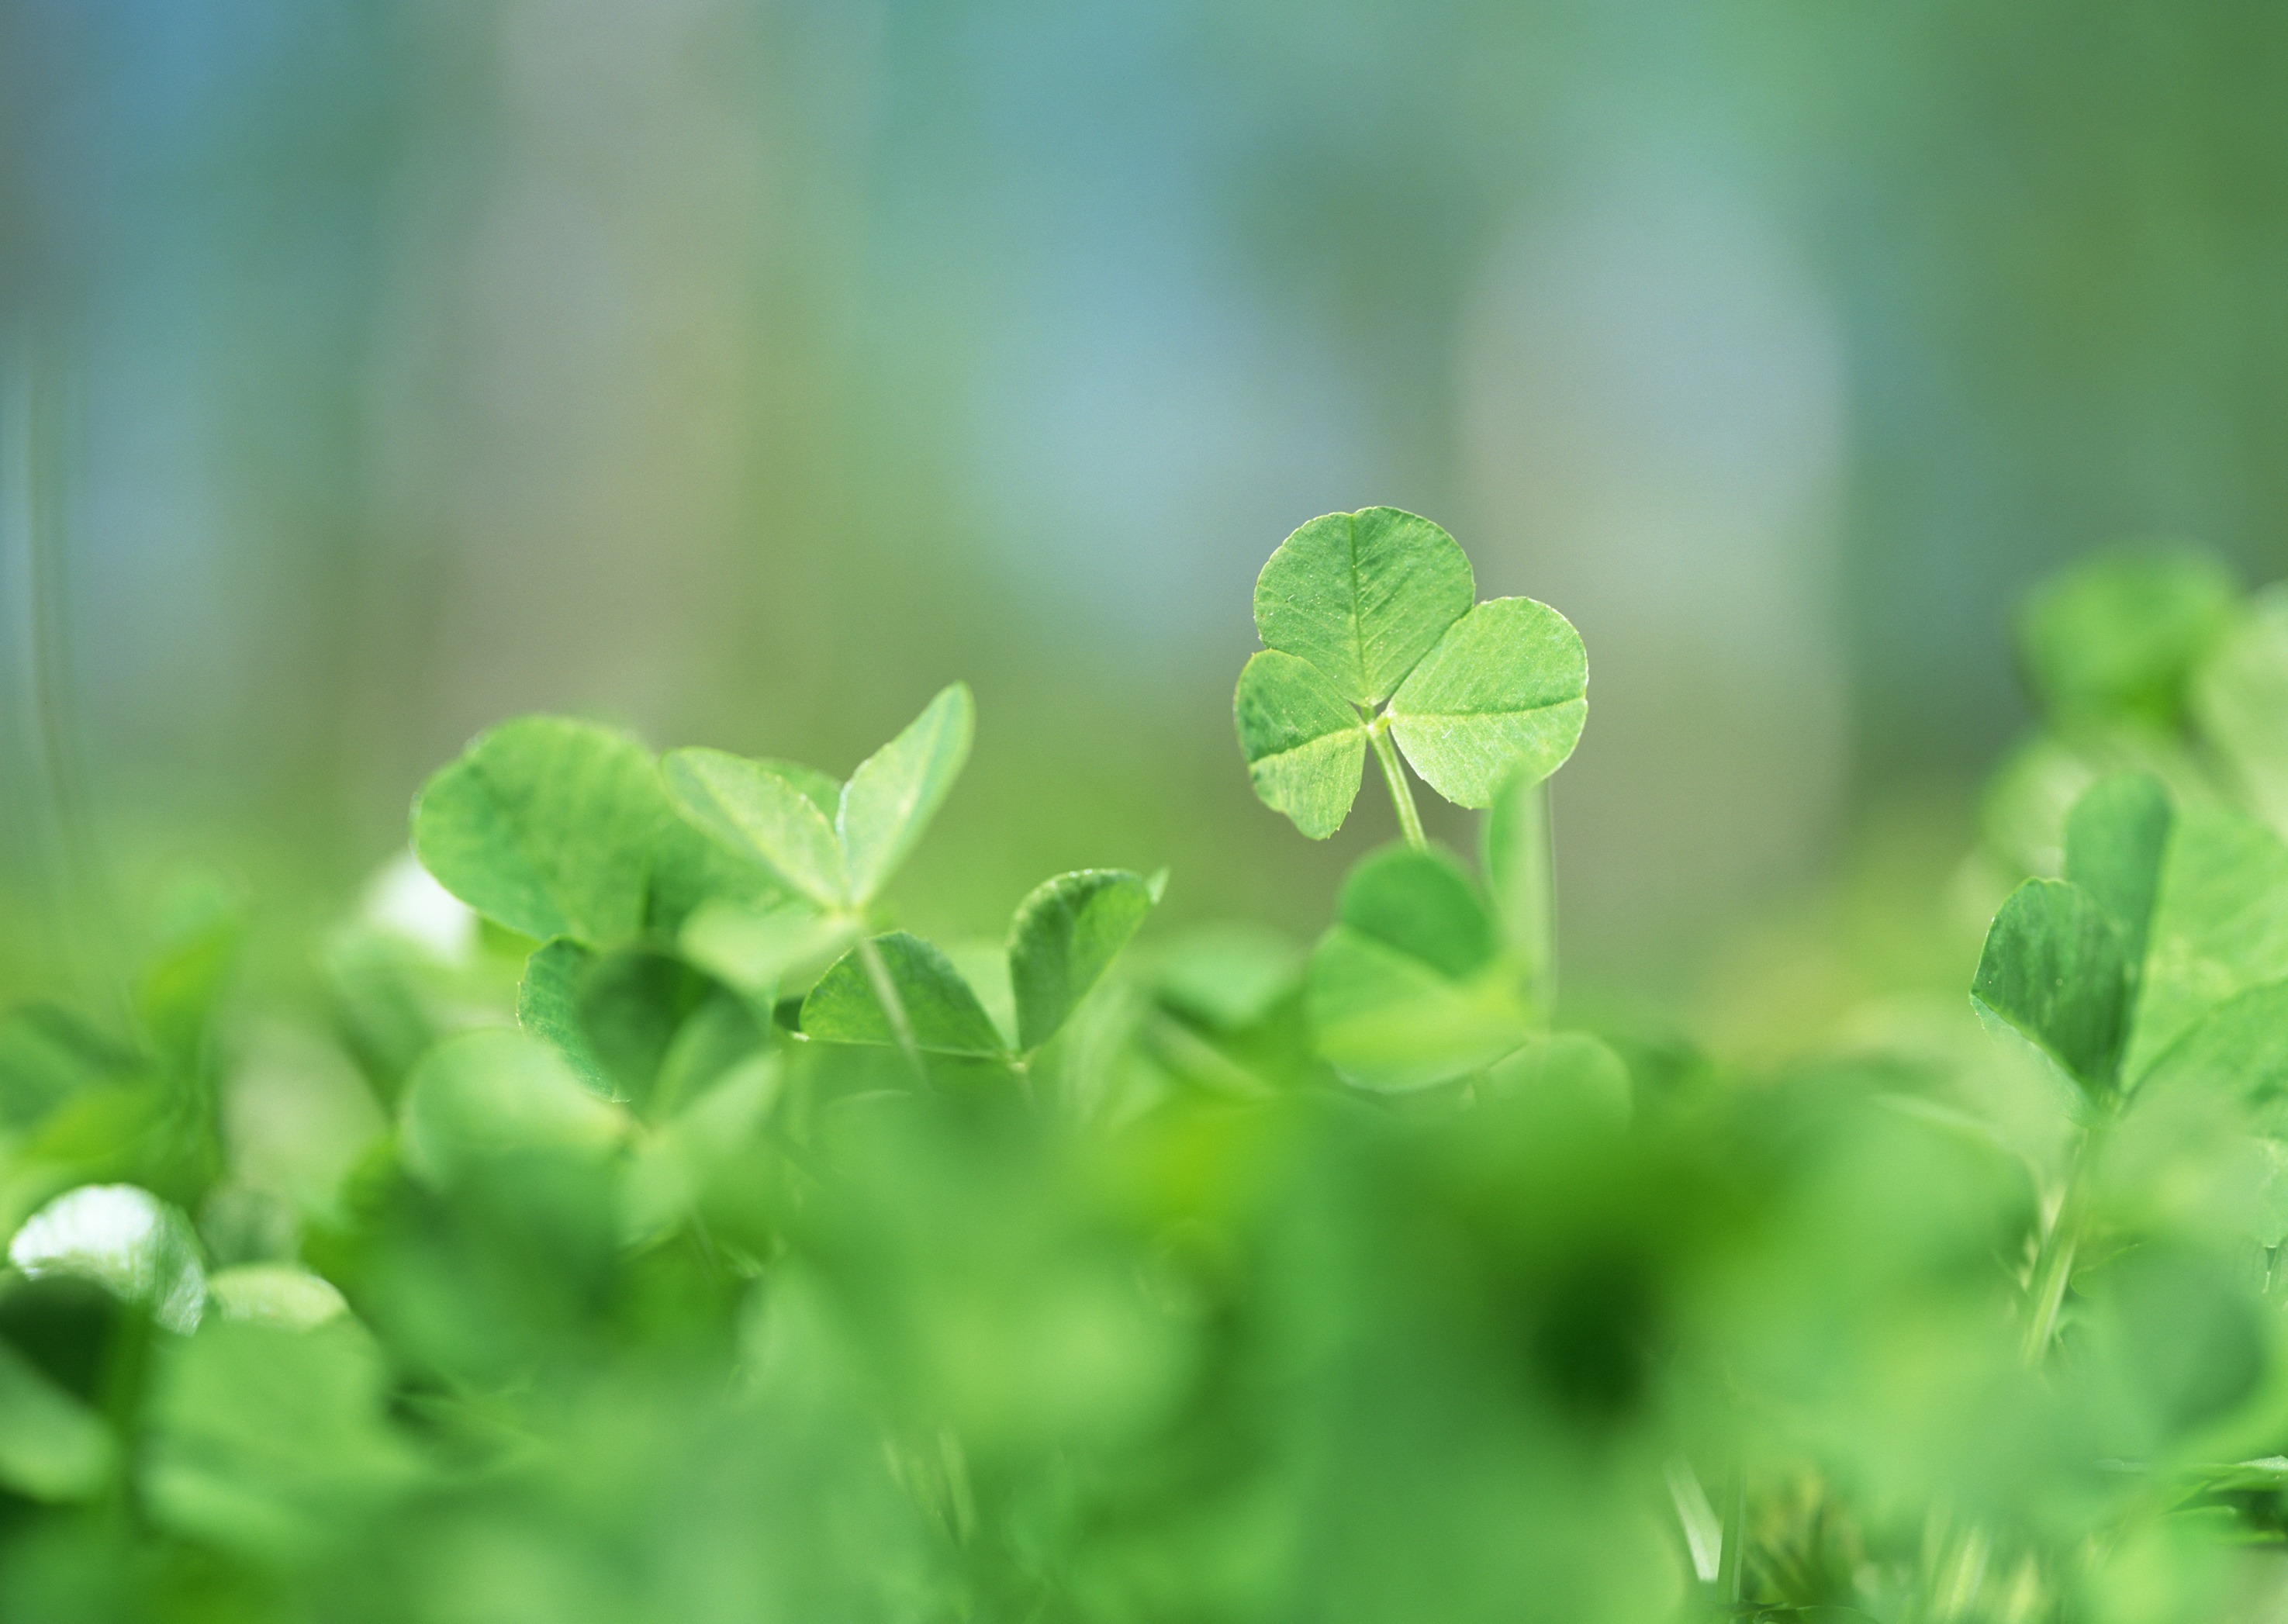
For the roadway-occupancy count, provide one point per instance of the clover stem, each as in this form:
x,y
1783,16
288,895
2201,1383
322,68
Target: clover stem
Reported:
x,y
1409,821
2053,1261
894,1007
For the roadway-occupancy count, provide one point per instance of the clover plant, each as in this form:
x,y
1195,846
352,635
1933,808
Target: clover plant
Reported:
x,y
620,1216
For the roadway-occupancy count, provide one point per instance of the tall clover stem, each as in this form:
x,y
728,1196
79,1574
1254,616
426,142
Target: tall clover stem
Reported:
x,y
1533,895
1409,821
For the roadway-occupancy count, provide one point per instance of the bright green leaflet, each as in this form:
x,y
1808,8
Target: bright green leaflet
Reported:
x,y
753,807
689,869
942,1013
2117,639
1363,596
1064,937
545,825
891,798
485,1094
837,845
756,950
1305,745
269,1440
548,1008
2235,1051
2053,969
2240,698
1503,696
1424,904
2116,837
2220,925
1572,1069
1407,990
51,1445
1391,1023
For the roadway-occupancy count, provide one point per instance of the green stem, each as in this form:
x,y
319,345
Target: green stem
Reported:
x,y
2054,1262
894,1007
1409,821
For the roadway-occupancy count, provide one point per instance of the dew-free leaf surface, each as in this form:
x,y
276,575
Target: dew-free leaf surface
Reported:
x,y
896,791
1407,990
1065,936
1502,697
754,807
2220,925
1362,596
493,1093
2053,969
548,1008
2117,836
1304,742
941,1011
547,825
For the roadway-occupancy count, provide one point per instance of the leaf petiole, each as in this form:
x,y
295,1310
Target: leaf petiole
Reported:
x,y
1409,821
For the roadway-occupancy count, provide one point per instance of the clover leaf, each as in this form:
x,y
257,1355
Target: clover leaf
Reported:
x,y
1063,937
838,846
1370,636
2053,969
547,826
1410,988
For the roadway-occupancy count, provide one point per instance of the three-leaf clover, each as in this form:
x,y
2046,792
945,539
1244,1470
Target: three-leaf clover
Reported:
x,y
1370,636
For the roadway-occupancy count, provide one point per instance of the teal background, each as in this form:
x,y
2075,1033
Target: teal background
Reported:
x,y
745,371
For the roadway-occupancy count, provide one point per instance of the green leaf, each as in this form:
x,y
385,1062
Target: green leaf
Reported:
x,y
1227,976
1388,1021
546,826
2240,696
53,1446
759,950
2118,637
2235,1051
896,791
941,1011
2116,837
2220,925
1423,904
691,868
548,1006
1064,937
1503,696
633,1005
1305,745
1408,988
1363,596
270,1441
2053,969
1573,1070
755,808
492,1093
47,1055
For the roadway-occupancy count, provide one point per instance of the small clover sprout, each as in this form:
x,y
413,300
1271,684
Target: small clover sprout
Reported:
x,y
1371,637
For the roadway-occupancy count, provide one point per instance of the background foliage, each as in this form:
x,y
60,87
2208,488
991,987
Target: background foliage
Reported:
x,y
735,375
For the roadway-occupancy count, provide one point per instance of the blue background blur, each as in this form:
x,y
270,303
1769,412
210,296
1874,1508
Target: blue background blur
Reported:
x,y
744,371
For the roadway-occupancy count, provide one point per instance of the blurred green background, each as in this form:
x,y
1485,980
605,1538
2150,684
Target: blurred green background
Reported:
x,y
744,371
